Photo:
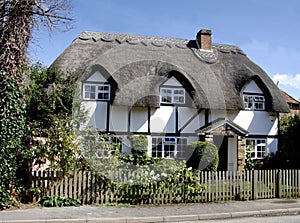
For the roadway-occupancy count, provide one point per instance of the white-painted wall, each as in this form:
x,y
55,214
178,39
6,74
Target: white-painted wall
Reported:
x,y
139,119
118,119
172,82
96,114
252,87
97,77
257,122
184,116
163,120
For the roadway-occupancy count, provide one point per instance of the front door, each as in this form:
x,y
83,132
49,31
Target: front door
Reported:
x,y
221,142
227,147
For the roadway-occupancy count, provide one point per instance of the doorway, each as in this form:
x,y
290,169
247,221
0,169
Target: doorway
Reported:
x,y
221,142
227,147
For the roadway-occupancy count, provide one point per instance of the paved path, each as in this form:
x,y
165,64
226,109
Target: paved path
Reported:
x,y
167,213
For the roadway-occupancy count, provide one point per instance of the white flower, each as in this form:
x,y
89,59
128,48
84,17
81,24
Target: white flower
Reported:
x,y
164,174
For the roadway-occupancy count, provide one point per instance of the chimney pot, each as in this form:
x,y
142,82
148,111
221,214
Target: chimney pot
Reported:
x,y
204,39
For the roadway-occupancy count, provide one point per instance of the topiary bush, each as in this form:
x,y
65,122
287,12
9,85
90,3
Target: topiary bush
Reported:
x,y
204,157
139,144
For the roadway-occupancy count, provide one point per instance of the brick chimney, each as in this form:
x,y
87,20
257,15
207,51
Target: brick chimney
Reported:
x,y
204,39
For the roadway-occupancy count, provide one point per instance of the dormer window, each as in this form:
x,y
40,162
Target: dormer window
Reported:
x,y
170,95
254,102
254,97
96,91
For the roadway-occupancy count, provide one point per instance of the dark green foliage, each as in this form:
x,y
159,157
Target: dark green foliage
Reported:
x,y
58,201
139,150
183,184
12,134
139,145
50,94
289,152
145,176
17,19
50,118
204,157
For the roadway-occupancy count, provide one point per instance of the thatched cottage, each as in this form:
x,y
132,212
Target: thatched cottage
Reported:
x,y
176,91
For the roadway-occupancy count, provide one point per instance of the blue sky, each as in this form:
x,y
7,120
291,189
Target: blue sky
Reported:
x,y
266,30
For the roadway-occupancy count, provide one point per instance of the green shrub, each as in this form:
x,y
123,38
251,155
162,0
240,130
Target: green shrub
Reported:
x,y
183,184
204,157
139,156
58,201
288,154
139,144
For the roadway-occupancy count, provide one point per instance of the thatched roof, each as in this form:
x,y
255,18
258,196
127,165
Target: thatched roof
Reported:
x,y
138,65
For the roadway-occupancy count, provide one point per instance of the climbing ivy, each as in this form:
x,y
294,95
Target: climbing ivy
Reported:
x,y
12,134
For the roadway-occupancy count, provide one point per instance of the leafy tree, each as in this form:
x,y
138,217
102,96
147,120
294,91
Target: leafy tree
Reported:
x,y
18,18
289,153
50,118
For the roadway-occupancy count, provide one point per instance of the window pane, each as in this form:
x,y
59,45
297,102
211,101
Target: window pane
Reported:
x,y
92,95
259,106
166,92
181,92
255,102
103,88
156,147
247,101
89,91
178,99
103,96
167,99
257,147
169,151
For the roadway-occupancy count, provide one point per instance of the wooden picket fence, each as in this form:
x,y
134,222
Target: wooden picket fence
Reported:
x,y
89,188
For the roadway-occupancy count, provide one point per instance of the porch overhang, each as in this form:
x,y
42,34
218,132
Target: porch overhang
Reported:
x,y
222,126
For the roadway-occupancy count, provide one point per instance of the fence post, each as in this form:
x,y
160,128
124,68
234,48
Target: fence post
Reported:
x,y
278,184
254,184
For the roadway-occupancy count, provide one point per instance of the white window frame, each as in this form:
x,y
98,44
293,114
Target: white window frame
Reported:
x,y
97,91
259,147
178,143
172,94
254,102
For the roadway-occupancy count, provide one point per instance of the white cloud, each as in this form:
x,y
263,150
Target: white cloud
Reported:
x,y
288,80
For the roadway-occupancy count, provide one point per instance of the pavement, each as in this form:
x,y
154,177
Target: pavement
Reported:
x,y
163,213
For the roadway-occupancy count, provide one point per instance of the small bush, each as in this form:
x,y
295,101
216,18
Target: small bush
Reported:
x,y
139,156
204,157
58,201
183,184
139,144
